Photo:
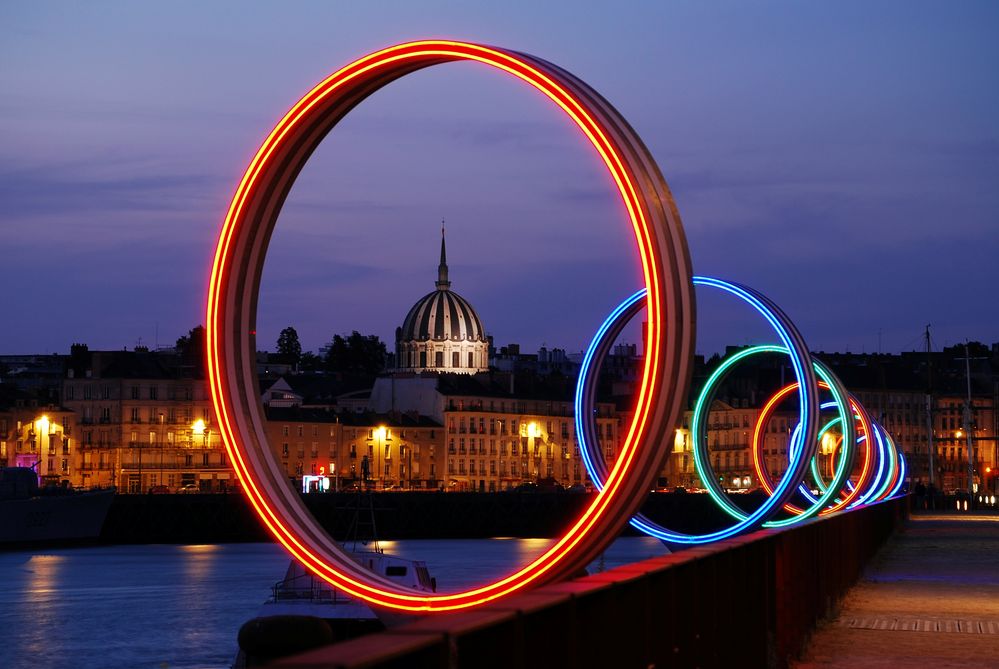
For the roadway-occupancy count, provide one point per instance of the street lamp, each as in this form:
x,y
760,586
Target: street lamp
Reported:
x,y
380,434
41,427
534,431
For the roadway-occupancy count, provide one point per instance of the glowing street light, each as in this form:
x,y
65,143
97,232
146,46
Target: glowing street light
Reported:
x,y
381,434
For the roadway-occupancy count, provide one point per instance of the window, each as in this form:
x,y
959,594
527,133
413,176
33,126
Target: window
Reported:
x,y
470,360
153,392
439,359
135,392
455,362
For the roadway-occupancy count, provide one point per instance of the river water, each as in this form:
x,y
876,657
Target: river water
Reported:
x,y
181,606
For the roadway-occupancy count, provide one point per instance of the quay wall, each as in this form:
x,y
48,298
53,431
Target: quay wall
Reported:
x,y
750,601
228,518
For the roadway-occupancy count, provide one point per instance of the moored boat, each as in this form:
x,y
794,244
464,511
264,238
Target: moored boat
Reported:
x,y
305,611
33,515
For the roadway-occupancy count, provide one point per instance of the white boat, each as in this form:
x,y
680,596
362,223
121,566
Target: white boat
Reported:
x,y
289,621
301,593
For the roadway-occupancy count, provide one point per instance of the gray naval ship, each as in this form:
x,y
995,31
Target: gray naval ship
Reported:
x,y
29,514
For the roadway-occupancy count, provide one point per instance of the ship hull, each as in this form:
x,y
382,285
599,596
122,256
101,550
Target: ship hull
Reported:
x,y
54,518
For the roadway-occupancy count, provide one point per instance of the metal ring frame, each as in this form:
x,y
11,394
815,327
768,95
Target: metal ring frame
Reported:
x,y
668,297
235,281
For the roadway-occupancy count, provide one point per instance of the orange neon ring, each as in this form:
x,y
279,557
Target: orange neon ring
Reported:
x,y
235,282
763,476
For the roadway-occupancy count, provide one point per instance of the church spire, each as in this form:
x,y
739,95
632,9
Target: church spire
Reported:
x,y
442,280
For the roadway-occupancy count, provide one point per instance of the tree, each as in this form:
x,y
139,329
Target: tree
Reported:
x,y
288,346
357,353
310,362
191,348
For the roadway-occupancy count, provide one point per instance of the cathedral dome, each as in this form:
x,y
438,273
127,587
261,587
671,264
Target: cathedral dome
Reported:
x,y
442,314
442,332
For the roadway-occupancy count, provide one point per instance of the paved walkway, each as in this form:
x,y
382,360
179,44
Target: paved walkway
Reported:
x,y
930,599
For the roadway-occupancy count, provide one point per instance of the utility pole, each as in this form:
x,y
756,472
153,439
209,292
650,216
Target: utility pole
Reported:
x,y
968,415
967,425
929,407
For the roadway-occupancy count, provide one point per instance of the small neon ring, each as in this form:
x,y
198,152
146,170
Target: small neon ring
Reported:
x,y
845,469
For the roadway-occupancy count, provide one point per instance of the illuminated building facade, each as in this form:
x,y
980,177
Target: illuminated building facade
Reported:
x,y
496,437
357,450
144,423
730,435
903,413
39,437
499,443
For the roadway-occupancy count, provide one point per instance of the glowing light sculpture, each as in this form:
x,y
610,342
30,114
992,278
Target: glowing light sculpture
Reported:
x,y
829,381
235,282
801,362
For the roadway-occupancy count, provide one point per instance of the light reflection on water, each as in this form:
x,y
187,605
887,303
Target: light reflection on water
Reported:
x,y
181,606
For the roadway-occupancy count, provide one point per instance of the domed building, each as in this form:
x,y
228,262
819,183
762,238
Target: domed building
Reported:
x,y
442,332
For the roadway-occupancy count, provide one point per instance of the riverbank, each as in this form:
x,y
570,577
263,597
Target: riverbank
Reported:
x,y
195,519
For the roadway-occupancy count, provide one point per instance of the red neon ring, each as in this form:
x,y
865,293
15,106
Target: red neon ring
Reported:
x,y
235,282
763,476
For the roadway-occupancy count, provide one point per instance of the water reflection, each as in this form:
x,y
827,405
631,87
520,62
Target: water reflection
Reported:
x,y
181,606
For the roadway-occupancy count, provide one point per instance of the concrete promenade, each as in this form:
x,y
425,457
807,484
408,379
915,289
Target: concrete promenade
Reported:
x,y
929,599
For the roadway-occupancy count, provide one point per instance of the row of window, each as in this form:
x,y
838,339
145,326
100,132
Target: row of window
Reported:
x,y
410,358
92,391
478,468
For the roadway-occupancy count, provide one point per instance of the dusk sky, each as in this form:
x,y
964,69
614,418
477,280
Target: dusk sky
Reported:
x,y
842,157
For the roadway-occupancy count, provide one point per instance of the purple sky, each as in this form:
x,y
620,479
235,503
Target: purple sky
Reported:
x,y
841,157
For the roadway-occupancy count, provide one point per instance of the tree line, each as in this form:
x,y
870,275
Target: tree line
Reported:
x,y
354,353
